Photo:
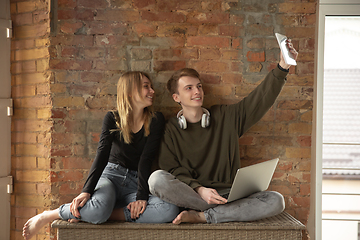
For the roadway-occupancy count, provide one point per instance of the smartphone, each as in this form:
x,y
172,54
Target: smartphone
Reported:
x,y
288,57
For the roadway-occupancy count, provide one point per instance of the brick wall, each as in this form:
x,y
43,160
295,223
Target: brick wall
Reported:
x,y
65,70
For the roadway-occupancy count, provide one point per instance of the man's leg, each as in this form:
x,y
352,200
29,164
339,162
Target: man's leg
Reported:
x,y
165,186
257,206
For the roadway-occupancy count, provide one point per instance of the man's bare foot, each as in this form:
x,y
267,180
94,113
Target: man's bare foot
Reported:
x,y
34,224
190,216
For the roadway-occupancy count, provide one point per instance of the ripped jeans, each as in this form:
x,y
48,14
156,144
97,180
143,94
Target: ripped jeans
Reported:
x,y
254,207
116,188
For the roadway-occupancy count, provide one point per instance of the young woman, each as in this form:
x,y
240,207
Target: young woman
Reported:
x,y
117,188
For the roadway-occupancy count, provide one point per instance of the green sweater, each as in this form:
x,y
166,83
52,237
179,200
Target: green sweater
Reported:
x,y
210,156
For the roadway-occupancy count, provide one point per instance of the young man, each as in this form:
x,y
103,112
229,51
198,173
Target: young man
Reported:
x,y
199,154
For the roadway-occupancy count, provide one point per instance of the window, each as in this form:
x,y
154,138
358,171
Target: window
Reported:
x,y
337,123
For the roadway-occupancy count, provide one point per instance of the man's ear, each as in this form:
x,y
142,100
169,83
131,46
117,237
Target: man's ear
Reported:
x,y
176,97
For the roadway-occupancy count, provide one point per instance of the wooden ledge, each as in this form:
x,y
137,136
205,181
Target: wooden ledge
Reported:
x,y
282,226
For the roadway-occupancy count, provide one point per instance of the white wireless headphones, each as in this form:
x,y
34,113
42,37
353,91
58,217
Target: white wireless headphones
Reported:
x,y
205,119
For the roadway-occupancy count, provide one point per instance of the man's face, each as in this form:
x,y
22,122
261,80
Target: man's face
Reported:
x,y
190,92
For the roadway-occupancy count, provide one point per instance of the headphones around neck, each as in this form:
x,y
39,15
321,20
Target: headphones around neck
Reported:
x,y
205,119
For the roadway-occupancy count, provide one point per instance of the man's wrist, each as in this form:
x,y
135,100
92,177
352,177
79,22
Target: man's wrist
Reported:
x,y
282,68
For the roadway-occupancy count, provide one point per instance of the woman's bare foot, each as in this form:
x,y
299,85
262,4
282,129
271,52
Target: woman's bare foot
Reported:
x,y
34,224
73,220
190,216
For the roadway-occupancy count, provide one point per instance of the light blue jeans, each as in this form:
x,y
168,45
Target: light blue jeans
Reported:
x,y
257,206
116,188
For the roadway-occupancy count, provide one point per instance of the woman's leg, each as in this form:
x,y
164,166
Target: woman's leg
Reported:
x,y
156,211
165,186
98,208
34,224
257,206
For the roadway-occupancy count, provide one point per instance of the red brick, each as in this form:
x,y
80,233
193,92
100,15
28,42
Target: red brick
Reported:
x,y
66,176
230,54
145,28
297,7
300,32
305,189
169,65
170,17
166,5
176,29
144,3
83,90
246,140
190,53
210,54
59,113
60,151
255,56
97,4
218,18
229,30
209,78
304,141
237,19
91,77
117,15
287,20
69,188
66,14
67,3
305,68
76,163
70,64
86,14
69,52
254,67
237,43
218,42
166,54
95,137
208,29
73,40
209,66
296,104
234,78
70,27
307,44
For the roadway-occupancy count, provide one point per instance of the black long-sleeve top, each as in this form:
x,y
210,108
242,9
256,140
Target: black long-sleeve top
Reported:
x,y
138,155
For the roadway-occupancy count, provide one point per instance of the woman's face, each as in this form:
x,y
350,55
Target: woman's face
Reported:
x,y
145,98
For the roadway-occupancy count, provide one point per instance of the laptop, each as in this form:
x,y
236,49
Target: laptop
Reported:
x,y
250,179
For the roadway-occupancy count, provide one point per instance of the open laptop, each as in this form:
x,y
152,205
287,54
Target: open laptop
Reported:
x,y
250,179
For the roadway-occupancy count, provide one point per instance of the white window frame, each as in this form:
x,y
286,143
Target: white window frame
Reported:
x,y
325,8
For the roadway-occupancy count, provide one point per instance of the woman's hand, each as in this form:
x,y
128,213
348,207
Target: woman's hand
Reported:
x,y
137,208
293,52
77,202
211,196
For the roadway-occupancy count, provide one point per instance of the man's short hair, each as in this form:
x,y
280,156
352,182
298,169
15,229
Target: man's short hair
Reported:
x,y
172,84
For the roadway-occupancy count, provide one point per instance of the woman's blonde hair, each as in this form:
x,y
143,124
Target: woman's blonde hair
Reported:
x,y
128,84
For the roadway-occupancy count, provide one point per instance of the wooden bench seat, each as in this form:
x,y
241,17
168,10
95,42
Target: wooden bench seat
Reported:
x,y
282,226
